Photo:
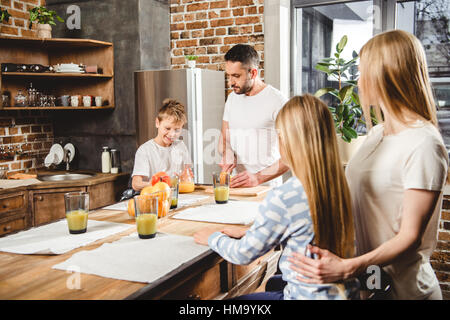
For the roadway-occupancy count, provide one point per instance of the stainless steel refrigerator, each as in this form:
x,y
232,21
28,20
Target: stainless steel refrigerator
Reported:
x,y
203,94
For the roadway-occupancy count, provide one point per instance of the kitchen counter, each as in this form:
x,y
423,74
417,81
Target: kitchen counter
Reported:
x,y
97,178
206,276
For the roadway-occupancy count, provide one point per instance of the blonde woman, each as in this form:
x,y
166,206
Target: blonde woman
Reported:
x,y
396,178
312,207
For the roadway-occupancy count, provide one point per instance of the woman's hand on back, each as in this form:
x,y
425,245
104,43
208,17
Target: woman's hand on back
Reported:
x,y
327,268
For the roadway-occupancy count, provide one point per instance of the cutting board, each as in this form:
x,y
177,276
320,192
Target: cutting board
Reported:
x,y
245,192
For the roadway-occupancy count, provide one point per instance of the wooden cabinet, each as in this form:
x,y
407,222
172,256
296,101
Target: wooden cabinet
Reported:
x,y
14,214
103,194
54,51
47,205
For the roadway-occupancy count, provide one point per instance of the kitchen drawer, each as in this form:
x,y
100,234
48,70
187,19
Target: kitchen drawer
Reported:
x,y
15,223
48,204
13,202
203,286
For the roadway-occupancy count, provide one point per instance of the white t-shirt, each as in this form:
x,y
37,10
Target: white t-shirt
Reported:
x,y
152,158
378,175
251,120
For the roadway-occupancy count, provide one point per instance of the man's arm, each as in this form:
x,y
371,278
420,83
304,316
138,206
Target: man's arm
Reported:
x,y
246,179
228,162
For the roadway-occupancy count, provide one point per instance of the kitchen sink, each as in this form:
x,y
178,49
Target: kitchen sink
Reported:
x,y
65,177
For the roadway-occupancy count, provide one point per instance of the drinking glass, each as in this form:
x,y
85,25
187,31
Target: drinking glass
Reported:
x,y
77,209
221,183
174,191
146,212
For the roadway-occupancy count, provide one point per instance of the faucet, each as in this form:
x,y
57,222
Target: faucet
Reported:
x,y
67,158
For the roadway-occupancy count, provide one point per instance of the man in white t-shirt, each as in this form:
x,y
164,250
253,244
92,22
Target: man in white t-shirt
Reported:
x,y
249,142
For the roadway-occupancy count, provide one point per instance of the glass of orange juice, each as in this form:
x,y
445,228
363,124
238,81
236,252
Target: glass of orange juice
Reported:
x,y
146,211
174,181
221,183
77,209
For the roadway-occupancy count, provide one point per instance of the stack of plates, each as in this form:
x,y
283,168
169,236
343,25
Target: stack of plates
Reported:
x,y
68,68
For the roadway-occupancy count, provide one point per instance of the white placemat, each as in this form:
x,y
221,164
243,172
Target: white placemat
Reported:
x,y
233,212
120,206
54,238
183,200
186,199
135,259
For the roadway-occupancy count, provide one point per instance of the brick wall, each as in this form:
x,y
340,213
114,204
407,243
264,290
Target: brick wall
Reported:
x,y
25,141
18,22
209,29
25,136
440,260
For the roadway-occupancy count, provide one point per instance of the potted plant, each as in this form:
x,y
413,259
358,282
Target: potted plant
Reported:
x,y
4,16
347,111
45,19
191,61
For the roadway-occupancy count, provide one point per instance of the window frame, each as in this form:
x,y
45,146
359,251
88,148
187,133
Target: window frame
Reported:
x,y
387,19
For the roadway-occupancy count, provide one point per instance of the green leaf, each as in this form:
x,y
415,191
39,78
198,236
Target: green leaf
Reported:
x,y
345,92
350,132
322,68
323,91
342,43
325,64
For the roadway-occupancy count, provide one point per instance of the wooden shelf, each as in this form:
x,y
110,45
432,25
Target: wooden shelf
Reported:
x,y
57,108
56,74
50,52
55,42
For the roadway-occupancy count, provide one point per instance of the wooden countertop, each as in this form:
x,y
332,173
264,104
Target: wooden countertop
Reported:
x,y
31,276
97,178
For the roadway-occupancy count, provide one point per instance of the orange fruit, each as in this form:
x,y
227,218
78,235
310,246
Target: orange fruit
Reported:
x,y
162,190
131,207
160,176
164,209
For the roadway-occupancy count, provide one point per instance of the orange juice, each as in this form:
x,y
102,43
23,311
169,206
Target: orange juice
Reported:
x,y
77,221
146,225
221,194
186,187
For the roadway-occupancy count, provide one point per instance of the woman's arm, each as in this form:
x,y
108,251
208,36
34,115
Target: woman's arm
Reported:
x,y
418,207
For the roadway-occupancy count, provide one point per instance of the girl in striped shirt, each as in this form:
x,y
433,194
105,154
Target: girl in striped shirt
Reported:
x,y
312,207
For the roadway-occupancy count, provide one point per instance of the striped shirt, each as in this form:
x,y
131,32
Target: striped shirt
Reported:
x,y
283,218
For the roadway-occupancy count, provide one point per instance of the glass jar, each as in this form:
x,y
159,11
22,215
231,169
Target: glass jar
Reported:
x,y
20,100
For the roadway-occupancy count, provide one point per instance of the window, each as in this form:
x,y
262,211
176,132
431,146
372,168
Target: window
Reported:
x,y
317,30
318,25
428,20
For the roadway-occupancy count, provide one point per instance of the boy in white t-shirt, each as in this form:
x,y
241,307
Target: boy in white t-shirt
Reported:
x,y
164,152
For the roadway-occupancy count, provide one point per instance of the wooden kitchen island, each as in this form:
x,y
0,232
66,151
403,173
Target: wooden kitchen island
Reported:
x,y
206,276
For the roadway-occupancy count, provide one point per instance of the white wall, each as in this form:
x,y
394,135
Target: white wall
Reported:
x,y
277,20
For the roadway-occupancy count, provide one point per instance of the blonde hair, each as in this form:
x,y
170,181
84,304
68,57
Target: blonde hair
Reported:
x,y
308,143
172,108
394,73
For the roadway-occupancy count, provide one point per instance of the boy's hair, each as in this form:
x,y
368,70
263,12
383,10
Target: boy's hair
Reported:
x,y
172,108
244,54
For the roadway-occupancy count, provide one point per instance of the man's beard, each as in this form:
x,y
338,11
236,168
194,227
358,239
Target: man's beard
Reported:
x,y
245,88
